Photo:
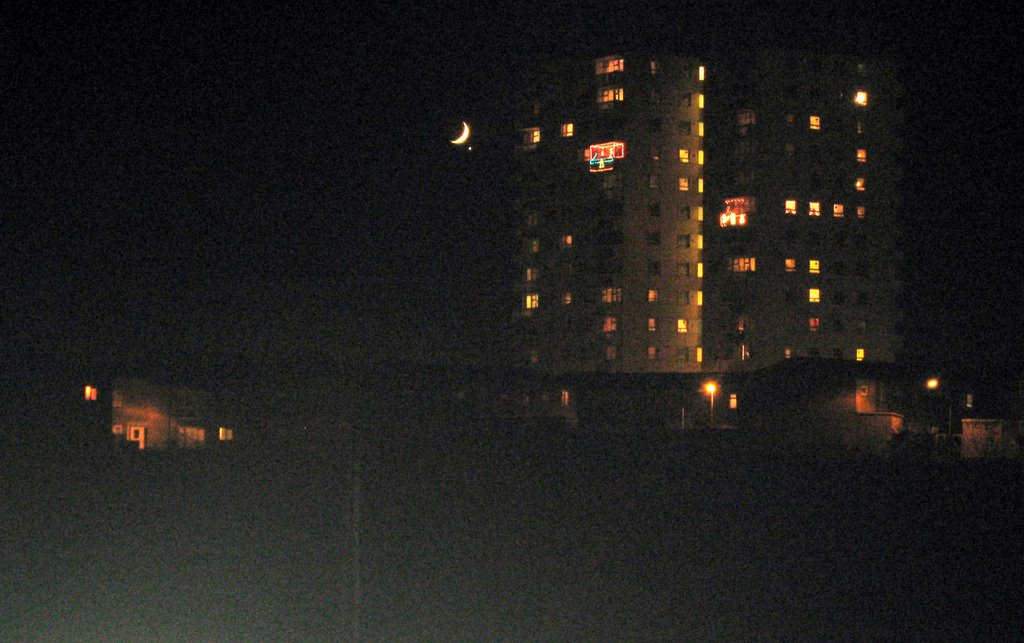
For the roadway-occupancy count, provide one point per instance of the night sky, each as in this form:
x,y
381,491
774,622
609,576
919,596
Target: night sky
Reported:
x,y
268,182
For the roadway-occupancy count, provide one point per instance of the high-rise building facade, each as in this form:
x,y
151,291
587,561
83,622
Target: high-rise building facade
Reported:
x,y
683,216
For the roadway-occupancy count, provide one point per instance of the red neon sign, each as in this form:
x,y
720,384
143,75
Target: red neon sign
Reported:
x,y
736,211
602,155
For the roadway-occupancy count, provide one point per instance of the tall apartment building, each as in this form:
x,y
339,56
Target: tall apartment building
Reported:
x,y
682,216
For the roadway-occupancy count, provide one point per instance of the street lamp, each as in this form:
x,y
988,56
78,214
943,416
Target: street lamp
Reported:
x,y
710,388
933,385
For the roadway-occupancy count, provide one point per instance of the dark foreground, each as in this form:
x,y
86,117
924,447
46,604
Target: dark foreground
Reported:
x,y
497,536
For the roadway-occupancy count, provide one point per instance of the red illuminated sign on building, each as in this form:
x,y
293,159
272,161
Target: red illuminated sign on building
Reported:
x,y
602,155
736,211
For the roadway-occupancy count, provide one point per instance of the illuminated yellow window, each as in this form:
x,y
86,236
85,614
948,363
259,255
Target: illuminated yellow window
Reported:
x,y
813,324
568,129
700,185
814,266
700,269
700,157
814,209
700,242
652,324
861,98
681,326
609,95
861,211
734,401
653,67
532,274
611,295
566,240
700,213
814,295
567,298
684,183
837,209
859,183
684,155
815,122
700,354
700,297
652,295
700,128
225,434
700,101
862,156
532,301
565,398
790,265
788,352
701,73
608,65
790,206
610,325
744,264
91,393
534,246
532,135
860,354
652,352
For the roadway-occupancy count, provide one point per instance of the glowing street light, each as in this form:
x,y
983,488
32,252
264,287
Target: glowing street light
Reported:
x,y
710,388
932,383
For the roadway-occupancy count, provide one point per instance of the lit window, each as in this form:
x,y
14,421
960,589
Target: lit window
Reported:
x,y
837,209
700,185
744,264
652,295
566,298
814,295
700,157
815,122
684,183
534,246
700,128
700,354
611,353
681,326
610,325
700,101
609,64
813,324
788,352
700,269
700,297
566,397
609,95
860,354
566,240
652,181
225,434
652,324
861,211
531,136
531,274
700,242
814,209
790,265
814,266
860,98
700,72
532,301
790,206
653,67
733,401
568,129
611,295
90,393
652,352
684,155
859,183
862,156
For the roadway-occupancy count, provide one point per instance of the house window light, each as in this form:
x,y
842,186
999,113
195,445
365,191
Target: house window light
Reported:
x,y
860,354
837,209
862,155
610,324
568,129
684,184
701,73
814,295
814,208
813,324
700,157
652,295
790,265
611,295
532,301
652,324
684,155
681,326
860,98
790,206
861,211
700,354
814,266
814,122
859,184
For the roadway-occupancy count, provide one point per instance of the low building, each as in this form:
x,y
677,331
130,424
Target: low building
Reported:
x,y
154,416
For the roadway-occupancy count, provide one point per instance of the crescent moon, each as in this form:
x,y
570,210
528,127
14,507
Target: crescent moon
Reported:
x,y
464,136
